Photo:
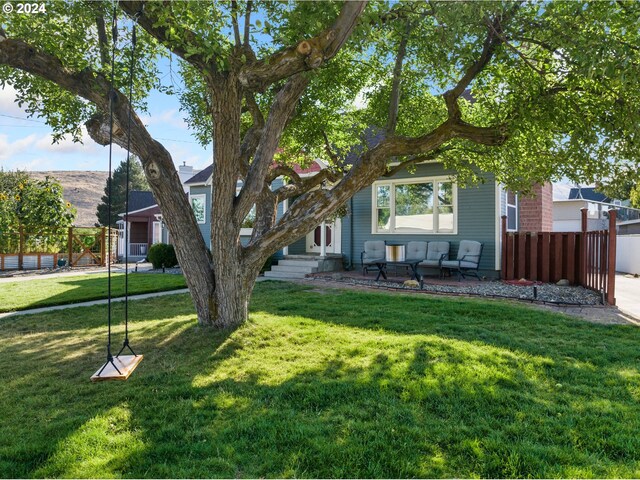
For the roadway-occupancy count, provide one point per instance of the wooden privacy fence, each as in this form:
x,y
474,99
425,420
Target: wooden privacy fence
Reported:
x,y
25,249
583,258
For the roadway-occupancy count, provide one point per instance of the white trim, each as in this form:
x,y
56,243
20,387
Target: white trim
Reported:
x,y
498,227
203,196
285,207
138,211
246,232
406,181
156,228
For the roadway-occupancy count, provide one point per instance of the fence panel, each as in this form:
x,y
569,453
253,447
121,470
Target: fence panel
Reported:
x,y
583,258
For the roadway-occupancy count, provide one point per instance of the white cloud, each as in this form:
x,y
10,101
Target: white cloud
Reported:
x,y
171,118
7,103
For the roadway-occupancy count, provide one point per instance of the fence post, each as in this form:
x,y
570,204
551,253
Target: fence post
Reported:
x,y
611,264
20,247
104,249
70,246
504,247
583,248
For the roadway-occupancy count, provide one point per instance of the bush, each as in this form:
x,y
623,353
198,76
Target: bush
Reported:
x,y
162,255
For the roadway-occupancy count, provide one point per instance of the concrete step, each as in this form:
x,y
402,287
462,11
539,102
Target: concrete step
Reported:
x,y
294,268
299,263
276,274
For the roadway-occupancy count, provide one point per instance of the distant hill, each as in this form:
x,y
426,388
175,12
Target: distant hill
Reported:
x,y
82,189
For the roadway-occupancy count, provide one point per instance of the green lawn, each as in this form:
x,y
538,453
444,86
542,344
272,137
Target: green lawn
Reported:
x,y
323,383
71,289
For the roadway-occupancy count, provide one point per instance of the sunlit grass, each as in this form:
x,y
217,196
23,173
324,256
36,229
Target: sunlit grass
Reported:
x,y
70,289
323,384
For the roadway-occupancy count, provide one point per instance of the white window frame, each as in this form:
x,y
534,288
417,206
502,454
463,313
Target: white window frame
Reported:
x,y
156,231
203,197
392,205
507,205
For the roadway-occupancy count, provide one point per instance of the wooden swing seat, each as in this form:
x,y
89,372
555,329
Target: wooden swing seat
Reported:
x,y
125,363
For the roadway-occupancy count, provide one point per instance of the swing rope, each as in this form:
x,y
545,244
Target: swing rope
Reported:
x,y
131,362
126,204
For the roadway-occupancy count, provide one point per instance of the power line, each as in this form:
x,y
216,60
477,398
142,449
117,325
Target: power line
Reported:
x,y
21,118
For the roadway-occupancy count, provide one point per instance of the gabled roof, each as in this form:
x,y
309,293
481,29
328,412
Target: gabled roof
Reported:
x,y
139,200
588,193
201,177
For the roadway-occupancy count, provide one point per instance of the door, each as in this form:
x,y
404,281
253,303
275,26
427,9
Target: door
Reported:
x,y
332,238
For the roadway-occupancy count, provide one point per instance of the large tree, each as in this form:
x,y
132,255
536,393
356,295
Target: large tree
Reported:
x,y
528,91
118,186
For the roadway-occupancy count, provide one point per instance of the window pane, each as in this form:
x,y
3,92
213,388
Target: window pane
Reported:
x,y
383,195
511,218
511,197
414,206
445,193
384,216
445,219
197,203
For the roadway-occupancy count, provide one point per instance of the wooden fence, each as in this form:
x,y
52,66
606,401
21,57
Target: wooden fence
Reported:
x,y
583,258
42,248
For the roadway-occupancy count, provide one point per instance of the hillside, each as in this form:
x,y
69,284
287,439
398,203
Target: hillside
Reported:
x,y
83,189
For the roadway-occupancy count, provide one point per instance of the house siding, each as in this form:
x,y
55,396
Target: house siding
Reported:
x,y
476,220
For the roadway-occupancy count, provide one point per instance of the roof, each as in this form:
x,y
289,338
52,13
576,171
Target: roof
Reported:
x,y
139,200
202,176
588,193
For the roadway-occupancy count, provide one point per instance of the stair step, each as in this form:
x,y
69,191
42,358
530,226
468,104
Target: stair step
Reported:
x,y
299,263
276,274
294,268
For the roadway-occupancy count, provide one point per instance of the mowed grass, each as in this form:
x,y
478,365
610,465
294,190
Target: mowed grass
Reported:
x,y
62,290
323,383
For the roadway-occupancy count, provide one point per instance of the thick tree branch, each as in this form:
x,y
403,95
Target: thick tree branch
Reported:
x,y
102,40
156,160
169,33
247,24
279,115
493,39
234,21
394,101
301,186
308,54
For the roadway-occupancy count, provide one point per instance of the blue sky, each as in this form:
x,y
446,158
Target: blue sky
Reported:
x,y
26,144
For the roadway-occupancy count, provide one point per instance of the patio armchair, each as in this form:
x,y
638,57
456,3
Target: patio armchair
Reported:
x,y
416,251
467,261
436,253
374,253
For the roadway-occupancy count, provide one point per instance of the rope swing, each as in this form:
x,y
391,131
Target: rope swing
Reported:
x,y
120,366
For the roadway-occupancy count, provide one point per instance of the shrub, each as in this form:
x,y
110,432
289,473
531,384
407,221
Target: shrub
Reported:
x,y
162,255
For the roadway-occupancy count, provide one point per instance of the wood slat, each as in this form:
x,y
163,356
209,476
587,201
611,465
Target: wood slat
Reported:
x,y
125,363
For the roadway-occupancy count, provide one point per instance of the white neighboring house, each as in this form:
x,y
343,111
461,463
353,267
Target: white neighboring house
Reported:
x,y
568,202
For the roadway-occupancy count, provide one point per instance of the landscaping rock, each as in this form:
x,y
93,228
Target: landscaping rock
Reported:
x,y
411,284
563,283
337,276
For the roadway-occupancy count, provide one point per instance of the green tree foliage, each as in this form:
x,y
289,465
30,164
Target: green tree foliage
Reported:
x,y
137,181
32,203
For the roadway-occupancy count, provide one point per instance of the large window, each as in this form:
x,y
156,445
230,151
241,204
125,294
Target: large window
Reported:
x,y
425,205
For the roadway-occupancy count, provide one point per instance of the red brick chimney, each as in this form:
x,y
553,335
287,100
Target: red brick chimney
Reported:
x,y
535,213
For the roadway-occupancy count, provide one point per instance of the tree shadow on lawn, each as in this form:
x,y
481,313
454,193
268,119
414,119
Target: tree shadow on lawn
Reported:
x,y
294,395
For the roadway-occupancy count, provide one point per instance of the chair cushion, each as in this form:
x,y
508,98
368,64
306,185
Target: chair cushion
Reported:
x,y
471,250
455,263
436,249
373,249
416,251
429,263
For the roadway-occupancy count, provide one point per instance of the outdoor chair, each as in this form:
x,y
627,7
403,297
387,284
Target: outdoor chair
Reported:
x,y
436,253
416,251
467,260
374,252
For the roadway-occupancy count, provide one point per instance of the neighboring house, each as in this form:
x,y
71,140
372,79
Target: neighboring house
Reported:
x,y
569,201
145,226
426,205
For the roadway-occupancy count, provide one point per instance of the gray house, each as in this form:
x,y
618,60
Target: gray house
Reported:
x,y
426,205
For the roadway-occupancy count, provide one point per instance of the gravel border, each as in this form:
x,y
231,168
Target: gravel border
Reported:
x,y
544,293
